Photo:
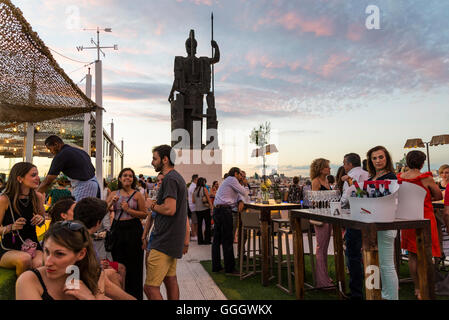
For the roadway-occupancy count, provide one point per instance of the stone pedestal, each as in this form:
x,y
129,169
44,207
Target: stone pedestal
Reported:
x,y
205,163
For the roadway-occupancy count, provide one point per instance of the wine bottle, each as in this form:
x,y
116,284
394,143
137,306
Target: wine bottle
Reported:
x,y
359,193
377,193
365,188
387,188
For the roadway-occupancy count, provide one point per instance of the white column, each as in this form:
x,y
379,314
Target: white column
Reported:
x,y
99,124
112,150
29,142
123,154
87,129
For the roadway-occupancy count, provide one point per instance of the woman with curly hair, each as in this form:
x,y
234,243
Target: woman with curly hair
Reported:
x,y
319,170
128,206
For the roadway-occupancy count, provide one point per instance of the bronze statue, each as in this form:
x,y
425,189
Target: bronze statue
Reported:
x,y
193,81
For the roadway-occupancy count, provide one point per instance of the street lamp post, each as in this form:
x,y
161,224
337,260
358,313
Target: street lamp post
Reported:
x,y
264,151
99,102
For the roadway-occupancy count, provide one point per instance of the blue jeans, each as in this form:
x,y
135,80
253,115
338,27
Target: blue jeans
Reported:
x,y
388,275
353,239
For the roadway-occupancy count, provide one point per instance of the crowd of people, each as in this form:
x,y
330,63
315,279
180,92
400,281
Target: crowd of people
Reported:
x,y
101,241
111,237
378,165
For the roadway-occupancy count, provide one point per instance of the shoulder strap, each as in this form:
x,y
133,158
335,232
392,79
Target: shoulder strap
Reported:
x,y
121,211
39,277
131,196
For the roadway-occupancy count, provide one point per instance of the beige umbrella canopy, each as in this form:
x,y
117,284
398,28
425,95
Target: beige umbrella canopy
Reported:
x,y
33,88
437,140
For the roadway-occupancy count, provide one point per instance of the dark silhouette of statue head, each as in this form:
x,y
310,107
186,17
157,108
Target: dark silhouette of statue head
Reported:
x,y
189,49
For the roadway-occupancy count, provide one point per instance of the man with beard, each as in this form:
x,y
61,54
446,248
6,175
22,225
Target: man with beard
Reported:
x,y
171,239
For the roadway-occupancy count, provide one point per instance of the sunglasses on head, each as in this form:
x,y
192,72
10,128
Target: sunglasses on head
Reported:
x,y
74,226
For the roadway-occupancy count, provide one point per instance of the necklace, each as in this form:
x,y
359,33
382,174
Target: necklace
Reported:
x,y
25,202
380,173
128,193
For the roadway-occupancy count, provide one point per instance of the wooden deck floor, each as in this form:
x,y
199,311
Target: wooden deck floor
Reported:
x,y
194,281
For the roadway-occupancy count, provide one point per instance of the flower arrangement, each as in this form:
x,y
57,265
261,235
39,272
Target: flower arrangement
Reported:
x,y
265,186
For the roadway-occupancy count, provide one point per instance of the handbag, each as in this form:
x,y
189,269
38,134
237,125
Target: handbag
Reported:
x,y
28,246
111,234
204,200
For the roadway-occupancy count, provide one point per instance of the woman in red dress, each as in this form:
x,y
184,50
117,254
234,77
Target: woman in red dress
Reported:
x,y
415,161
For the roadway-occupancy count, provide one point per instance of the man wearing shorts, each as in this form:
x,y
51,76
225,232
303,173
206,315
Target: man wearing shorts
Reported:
x,y
171,239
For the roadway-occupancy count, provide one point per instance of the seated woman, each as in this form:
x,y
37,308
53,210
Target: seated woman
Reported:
x,y
62,210
443,172
66,244
21,209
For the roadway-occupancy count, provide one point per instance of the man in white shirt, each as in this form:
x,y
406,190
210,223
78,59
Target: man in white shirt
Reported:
x,y
353,237
192,214
225,199
240,204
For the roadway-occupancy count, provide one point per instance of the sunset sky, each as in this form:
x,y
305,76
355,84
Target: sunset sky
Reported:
x,y
327,83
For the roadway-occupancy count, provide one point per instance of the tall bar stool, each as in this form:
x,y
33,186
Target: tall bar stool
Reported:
x,y
250,226
283,232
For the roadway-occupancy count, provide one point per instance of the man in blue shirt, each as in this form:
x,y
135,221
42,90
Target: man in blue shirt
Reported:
x,y
75,163
226,198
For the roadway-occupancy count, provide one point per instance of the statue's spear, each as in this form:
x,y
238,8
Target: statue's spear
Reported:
x,y
212,23
192,36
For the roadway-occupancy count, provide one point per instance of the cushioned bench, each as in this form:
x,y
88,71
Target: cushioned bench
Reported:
x,y
7,284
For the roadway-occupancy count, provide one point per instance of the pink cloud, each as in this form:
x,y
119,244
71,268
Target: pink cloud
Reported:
x,y
430,66
332,63
355,32
255,59
321,26
159,29
204,2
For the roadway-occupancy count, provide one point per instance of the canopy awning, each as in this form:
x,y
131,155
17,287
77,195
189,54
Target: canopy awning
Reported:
x,y
33,88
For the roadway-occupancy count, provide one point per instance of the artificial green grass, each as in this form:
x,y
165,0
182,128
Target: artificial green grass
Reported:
x,y
251,288
7,284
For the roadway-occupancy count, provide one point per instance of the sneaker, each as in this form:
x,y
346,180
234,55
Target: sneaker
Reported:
x,y
194,238
234,273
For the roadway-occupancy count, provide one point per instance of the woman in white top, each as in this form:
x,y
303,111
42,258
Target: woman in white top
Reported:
x,y
203,209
